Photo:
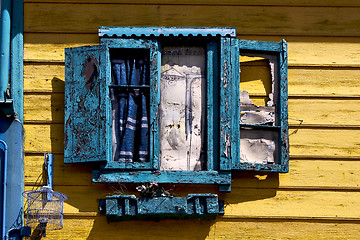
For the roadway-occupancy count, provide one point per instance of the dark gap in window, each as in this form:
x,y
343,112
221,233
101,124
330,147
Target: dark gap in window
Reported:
x,y
130,103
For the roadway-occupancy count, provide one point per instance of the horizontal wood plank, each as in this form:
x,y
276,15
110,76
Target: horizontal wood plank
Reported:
x,y
268,202
44,78
284,230
302,50
324,111
44,138
306,174
331,82
44,107
310,174
324,142
334,3
99,228
319,21
242,202
50,108
63,174
302,81
41,138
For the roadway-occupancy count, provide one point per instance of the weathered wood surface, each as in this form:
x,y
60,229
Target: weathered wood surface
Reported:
x,y
303,81
333,3
302,50
340,174
42,138
256,202
50,108
317,199
241,202
39,78
98,228
284,20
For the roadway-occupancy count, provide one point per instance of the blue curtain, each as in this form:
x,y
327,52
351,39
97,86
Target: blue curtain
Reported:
x,y
129,109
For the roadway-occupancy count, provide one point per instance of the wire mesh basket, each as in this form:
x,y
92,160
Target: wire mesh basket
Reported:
x,y
45,209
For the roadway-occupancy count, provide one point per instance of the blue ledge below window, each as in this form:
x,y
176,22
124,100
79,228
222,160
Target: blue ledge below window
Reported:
x,y
223,179
128,207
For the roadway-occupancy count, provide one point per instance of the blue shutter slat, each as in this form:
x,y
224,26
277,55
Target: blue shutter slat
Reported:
x,y
212,100
85,133
260,46
284,135
225,103
235,151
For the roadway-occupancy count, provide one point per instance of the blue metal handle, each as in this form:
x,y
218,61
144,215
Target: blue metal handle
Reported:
x,y
49,169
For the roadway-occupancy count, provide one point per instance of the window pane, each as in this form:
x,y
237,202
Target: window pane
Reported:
x,y
259,146
258,93
259,141
129,92
183,101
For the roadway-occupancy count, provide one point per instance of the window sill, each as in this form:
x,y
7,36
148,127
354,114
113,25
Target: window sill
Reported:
x,y
197,177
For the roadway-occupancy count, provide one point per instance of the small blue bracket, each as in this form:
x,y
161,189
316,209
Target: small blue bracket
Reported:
x,y
7,108
194,206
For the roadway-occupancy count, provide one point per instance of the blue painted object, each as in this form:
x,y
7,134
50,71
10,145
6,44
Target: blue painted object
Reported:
x,y
4,159
147,86
88,91
6,104
48,162
85,108
155,32
198,177
281,126
11,132
5,47
100,79
194,206
17,63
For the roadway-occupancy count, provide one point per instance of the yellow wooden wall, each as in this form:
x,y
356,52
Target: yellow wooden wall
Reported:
x,y
320,196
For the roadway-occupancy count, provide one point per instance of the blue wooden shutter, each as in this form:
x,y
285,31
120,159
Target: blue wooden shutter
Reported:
x,y
85,118
280,126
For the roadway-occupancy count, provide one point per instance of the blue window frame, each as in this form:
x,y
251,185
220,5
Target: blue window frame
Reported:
x,y
145,68
270,133
128,92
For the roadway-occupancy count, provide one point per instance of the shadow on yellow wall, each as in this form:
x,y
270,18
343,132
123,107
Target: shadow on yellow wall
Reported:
x,y
74,180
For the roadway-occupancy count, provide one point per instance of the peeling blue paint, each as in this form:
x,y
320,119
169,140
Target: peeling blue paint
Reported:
x,y
88,106
128,207
281,127
165,32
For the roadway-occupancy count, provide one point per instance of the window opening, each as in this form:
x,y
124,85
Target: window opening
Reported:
x,y
183,107
129,94
259,135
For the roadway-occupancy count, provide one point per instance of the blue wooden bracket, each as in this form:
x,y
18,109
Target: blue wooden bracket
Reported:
x,y
7,108
128,207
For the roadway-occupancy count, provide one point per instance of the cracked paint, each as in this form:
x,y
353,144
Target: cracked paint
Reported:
x,y
253,114
90,71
